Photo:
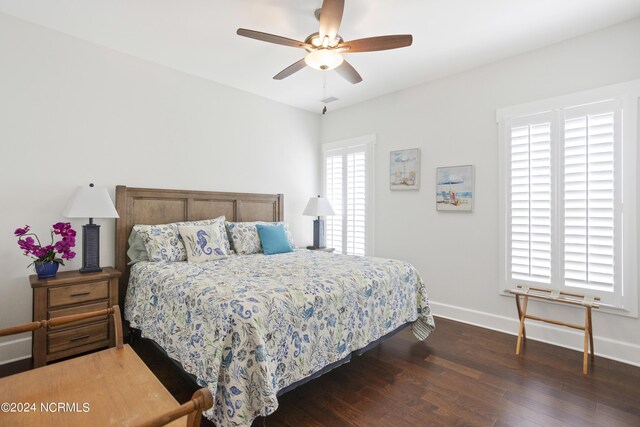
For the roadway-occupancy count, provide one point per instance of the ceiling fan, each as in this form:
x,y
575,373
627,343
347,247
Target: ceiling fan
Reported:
x,y
325,48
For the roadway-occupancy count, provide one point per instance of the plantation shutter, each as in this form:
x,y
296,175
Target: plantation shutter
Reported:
x,y
356,202
334,166
346,176
530,210
590,197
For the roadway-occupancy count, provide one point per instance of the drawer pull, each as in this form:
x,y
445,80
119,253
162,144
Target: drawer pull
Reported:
x,y
81,337
79,294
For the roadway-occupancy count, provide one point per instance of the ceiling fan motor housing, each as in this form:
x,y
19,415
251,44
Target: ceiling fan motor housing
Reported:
x,y
316,41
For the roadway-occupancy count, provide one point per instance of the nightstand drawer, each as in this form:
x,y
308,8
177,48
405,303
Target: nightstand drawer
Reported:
x,y
72,293
64,340
84,308
66,295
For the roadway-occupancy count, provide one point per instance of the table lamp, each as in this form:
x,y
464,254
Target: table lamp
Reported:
x,y
318,206
90,202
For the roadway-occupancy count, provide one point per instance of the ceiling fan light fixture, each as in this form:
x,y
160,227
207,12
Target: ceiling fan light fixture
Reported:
x,y
323,59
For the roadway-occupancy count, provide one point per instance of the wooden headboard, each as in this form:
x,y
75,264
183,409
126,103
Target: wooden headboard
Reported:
x,y
160,206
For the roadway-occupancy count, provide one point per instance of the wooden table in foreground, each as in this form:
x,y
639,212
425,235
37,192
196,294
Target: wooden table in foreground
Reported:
x,y
110,387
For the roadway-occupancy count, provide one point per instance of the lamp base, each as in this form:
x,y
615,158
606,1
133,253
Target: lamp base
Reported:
x,y
90,270
318,234
90,248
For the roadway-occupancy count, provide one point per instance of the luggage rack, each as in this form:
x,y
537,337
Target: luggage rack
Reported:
x,y
586,301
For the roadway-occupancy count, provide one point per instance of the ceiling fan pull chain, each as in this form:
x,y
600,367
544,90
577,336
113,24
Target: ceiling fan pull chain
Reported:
x,y
324,91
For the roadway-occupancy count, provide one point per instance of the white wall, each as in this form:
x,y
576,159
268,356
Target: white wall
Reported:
x,y
64,101
72,112
453,122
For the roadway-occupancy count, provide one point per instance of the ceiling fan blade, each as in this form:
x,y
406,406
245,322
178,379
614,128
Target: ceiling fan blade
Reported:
x,y
271,38
330,18
295,67
371,44
347,71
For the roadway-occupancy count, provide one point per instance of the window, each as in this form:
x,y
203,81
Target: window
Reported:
x,y
348,186
568,195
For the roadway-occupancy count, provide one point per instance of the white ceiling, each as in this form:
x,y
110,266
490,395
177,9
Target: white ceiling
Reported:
x,y
198,37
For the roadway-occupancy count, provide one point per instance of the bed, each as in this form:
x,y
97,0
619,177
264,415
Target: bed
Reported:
x,y
251,327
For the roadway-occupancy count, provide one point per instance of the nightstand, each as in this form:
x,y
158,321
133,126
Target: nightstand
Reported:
x,y
72,292
311,248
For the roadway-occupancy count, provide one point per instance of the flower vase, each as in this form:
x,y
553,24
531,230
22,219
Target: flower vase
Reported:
x,y
46,270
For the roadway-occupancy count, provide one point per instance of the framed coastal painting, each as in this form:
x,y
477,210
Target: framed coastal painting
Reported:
x,y
455,188
404,169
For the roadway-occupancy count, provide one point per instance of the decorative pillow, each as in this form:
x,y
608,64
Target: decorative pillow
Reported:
x,y
164,243
219,221
203,242
245,238
137,251
273,238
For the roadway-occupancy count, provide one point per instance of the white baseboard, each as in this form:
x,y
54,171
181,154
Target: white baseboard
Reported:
x,y
14,350
562,337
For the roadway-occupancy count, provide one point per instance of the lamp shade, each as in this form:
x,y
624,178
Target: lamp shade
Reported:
x,y
90,202
318,206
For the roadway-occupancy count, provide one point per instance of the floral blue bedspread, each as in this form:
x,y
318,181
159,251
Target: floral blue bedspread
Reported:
x,y
248,326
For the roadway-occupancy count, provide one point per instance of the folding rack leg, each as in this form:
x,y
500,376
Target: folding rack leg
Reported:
x,y
593,352
585,361
521,330
524,331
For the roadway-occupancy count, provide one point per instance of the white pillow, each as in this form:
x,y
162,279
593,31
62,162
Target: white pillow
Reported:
x,y
203,242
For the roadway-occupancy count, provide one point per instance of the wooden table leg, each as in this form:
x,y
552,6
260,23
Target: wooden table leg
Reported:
x,y
593,352
524,332
521,329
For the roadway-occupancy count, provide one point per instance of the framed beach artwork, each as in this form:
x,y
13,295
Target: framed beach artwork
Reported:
x,y
454,188
404,169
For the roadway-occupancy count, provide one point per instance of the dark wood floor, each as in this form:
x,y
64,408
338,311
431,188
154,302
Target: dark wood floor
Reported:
x,y
15,367
462,375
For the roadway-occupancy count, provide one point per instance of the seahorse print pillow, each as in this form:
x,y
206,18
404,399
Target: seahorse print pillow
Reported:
x,y
163,242
219,221
203,242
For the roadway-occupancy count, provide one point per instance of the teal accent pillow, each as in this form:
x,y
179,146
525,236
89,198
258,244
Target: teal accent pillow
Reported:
x,y
274,239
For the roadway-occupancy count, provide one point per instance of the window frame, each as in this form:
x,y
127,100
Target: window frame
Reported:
x,y
628,96
352,145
